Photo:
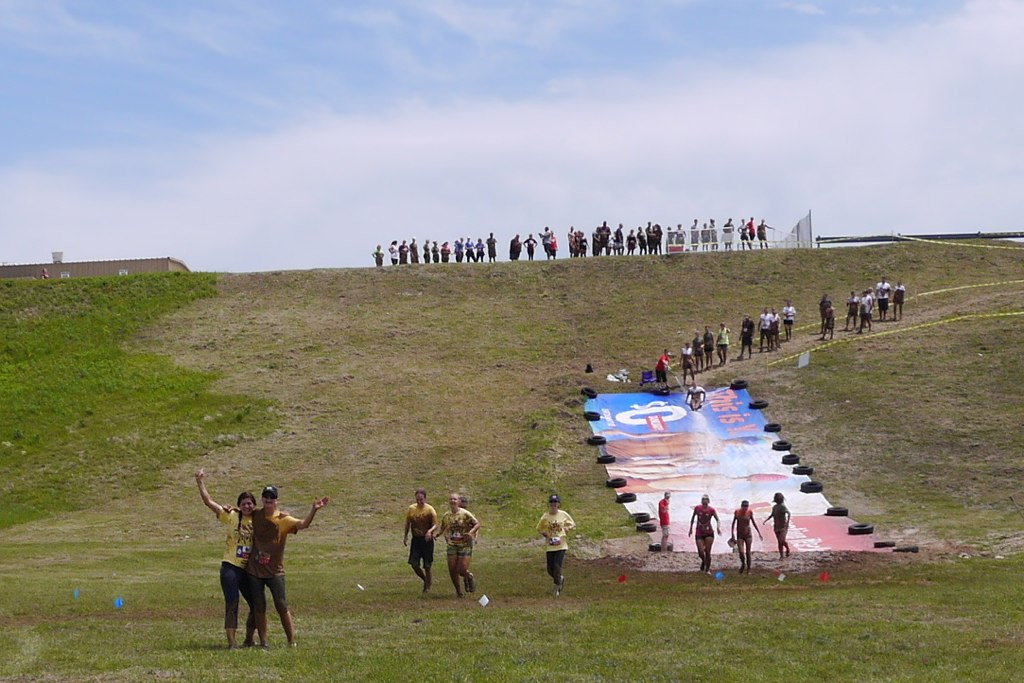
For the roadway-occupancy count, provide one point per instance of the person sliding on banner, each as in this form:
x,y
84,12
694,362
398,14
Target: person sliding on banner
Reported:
x,y
742,519
703,514
553,526
780,522
695,396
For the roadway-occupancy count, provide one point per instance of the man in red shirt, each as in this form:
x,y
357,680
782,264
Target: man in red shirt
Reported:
x,y
661,369
663,520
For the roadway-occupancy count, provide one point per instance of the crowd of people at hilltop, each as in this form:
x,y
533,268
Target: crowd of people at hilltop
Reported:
x,y
603,241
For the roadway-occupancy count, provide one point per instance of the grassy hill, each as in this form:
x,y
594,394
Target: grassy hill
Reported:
x,y
363,384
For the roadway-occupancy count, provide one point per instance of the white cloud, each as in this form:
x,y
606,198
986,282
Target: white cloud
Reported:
x,y
916,131
803,8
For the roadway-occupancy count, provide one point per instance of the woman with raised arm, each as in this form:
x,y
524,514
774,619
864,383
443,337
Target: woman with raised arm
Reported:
x,y
233,579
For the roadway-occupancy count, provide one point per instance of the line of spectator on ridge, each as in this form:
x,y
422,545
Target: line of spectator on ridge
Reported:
x,y
603,241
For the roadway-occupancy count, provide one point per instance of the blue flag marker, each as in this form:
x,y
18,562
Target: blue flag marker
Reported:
x,y
75,593
719,576
118,602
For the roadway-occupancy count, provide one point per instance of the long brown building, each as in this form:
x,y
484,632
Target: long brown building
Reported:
x,y
59,269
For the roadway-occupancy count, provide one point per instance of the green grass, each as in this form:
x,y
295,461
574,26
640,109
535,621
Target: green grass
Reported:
x,y
82,417
364,384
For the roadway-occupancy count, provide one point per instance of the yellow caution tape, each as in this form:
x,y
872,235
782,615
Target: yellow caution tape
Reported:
x,y
944,321
960,244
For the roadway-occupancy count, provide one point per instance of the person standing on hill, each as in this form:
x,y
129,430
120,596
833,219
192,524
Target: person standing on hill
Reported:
x,y
531,246
515,248
694,236
750,233
270,531
709,347
414,251
664,521
393,252
852,311
882,291
553,526
722,344
742,520
479,250
867,303
766,330
780,522
233,579
378,257
459,528
686,361
698,350
788,318
492,248
702,515
661,368
762,234
830,322
823,305
898,295
727,231
420,518
747,337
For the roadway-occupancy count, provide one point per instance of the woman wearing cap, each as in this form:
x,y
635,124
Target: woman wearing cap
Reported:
x,y
233,579
459,527
703,514
553,526
270,530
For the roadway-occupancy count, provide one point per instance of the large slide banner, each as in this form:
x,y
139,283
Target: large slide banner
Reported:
x,y
722,450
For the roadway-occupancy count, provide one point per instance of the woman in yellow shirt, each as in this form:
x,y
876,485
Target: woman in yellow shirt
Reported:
x,y
233,579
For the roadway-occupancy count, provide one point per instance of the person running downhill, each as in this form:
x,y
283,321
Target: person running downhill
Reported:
x,y
459,528
553,526
420,518
742,520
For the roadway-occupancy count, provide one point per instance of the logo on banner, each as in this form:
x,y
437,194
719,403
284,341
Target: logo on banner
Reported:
x,y
655,414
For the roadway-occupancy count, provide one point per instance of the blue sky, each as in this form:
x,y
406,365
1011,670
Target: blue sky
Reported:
x,y
243,136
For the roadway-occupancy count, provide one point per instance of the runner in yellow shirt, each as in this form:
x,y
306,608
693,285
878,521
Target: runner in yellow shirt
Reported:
x,y
420,518
459,528
553,526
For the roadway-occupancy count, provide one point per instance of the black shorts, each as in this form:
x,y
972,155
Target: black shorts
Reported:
x,y
421,550
883,305
662,376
